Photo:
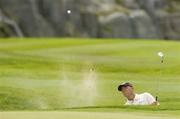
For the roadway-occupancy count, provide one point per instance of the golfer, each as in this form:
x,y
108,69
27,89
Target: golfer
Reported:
x,y
127,90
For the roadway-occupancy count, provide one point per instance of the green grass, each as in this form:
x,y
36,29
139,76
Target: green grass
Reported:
x,y
83,115
32,76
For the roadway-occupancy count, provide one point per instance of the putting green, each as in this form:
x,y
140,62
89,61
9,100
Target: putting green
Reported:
x,y
83,75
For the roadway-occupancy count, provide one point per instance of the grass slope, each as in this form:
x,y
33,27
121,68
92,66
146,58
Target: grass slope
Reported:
x,y
46,74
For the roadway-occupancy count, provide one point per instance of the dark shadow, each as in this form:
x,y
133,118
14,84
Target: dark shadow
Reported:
x,y
147,108
95,107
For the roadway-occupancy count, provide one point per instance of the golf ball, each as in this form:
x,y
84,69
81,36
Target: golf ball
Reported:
x,y
69,11
160,54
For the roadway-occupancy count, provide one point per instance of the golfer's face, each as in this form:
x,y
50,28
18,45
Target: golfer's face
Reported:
x,y
127,91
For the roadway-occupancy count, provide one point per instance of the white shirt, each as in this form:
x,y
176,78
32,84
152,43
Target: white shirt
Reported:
x,y
142,99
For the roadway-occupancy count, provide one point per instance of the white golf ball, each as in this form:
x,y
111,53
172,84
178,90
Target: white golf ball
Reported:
x,y
160,54
69,11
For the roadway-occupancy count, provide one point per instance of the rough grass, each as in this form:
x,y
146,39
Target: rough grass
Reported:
x,y
32,70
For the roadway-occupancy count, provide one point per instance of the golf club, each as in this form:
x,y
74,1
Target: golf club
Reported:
x,y
161,55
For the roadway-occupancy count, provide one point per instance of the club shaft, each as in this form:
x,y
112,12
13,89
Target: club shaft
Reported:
x,y
156,98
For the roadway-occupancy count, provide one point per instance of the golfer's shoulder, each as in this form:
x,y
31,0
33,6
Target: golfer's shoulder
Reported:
x,y
146,94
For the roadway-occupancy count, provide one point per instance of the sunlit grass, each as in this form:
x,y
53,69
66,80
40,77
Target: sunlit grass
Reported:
x,y
31,73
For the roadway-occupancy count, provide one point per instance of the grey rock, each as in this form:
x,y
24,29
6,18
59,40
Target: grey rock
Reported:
x,y
172,26
143,26
90,24
149,19
152,5
131,4
116,25
26,15
56,13
11,25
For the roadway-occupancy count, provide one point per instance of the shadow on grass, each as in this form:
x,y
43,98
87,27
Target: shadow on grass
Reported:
x,y
141,108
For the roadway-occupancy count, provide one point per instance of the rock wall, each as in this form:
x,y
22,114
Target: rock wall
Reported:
x,y
149,19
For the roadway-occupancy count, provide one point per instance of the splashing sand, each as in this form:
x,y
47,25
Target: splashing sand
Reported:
x,y
82,92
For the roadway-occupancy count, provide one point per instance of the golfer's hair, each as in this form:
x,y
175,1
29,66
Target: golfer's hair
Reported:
x,y
119,88
124,85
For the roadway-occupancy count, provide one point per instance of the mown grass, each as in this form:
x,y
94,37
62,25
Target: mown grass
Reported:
x,y
31,73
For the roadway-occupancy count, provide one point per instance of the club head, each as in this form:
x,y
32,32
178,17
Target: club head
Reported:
x,y
161,55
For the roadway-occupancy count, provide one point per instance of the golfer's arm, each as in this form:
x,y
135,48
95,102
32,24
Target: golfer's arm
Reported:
x,y
151,99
